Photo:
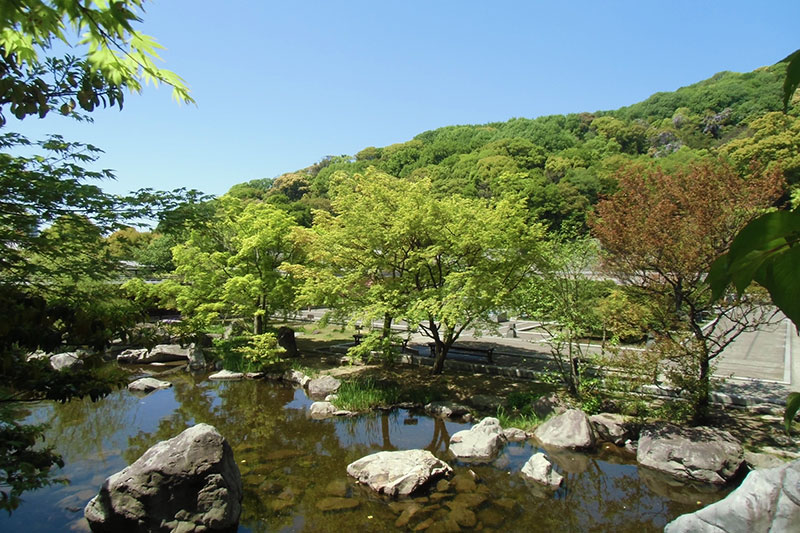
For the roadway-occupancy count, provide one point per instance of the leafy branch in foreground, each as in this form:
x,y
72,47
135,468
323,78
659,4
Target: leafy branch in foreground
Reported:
x,y
765,251
115,56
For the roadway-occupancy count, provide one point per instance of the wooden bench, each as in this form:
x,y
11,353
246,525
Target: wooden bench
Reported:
x,y
488,353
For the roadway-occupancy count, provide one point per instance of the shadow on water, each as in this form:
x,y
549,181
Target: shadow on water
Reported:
x,y
294,468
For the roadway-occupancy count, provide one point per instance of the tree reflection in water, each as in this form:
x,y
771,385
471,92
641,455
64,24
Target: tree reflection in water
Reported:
x,y
290,462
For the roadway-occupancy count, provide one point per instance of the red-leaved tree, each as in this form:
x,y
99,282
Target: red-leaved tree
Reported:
x,y
661,231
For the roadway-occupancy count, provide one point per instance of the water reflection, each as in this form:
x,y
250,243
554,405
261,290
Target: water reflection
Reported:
x,y
293,467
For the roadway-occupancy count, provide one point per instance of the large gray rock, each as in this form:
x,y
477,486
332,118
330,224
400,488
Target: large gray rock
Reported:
x,y
187,483
768,501
571,429
197,360
131,356
611,427
479,443
515,435
446,409
148,385
550,404
701,454
295,376
160,353
398,473
323,386
539,469
66,360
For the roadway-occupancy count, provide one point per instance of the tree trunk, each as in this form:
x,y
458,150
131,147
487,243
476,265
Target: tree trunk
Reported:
x,y
387,338
258,324
701,403
574,372
441,355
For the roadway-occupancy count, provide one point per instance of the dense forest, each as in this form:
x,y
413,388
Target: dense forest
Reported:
x,y
562,164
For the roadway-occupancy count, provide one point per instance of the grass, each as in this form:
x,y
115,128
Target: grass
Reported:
x,y
517,419
518,411
365,394
307,370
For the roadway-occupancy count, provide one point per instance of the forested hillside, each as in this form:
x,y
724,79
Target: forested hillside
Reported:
x,y
562,164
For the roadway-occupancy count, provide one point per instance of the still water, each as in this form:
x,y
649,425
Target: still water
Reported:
x,y
290,463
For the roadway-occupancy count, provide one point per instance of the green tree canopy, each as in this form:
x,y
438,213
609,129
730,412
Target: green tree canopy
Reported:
x,y
114,56
231,266
442,264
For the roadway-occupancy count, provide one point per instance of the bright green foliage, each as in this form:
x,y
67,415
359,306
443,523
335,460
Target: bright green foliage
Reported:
x,y
561,165
262,353
394,250
231,267
115,56
563,298
356,258
255,353
623,317
774,142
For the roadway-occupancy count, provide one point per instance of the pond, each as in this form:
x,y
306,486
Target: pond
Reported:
x,y
289,463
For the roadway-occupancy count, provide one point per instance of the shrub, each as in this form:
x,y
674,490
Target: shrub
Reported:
x,y
256,353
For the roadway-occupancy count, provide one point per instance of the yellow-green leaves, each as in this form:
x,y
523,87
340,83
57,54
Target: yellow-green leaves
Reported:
x,y
112,48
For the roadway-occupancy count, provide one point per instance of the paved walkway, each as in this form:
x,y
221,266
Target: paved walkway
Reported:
x,y
758,367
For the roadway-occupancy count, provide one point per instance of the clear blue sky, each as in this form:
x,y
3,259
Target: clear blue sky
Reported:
x,y
279,85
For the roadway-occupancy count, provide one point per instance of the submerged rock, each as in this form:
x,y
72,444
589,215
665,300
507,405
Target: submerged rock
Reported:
x,y
187,483
768,500
446,409
703,454
398,473
148,385
479,443
335,503
572,429
539,469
